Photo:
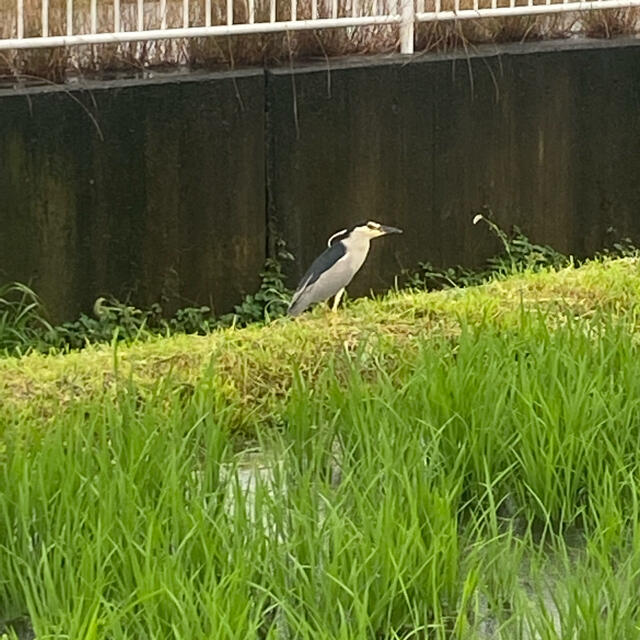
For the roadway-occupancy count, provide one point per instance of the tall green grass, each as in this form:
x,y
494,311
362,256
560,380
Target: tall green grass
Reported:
x,y
485,485
22,318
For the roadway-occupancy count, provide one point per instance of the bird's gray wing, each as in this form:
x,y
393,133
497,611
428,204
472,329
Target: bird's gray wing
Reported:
x,y
320,266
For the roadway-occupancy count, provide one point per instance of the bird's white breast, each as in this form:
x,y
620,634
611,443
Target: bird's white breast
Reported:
x,y
357,250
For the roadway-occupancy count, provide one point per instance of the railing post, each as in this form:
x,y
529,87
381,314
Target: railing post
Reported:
x,y
407,26
45,18
20,19
69,17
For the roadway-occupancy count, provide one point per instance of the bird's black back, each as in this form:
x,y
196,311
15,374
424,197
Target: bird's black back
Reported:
x,y
324,261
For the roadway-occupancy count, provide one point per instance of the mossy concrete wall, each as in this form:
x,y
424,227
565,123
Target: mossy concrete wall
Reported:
x,y
165,188
151,189
546,135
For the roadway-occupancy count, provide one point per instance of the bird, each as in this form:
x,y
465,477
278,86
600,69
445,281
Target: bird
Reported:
x,y
335,267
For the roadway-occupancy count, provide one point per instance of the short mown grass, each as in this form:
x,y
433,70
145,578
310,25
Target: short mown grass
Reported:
x,y
455,464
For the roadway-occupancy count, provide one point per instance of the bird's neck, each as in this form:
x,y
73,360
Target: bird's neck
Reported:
x,y
357,251
358,243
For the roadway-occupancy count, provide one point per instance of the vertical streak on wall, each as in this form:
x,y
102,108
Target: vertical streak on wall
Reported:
x,y
271,225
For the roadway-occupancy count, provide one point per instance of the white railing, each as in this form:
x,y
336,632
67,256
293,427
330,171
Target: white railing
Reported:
x,y
30,24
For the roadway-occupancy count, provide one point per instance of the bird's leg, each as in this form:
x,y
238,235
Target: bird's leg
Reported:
x,y
336,300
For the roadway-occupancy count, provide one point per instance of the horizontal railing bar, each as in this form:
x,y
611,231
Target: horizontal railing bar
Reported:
x,y
558,7
196,32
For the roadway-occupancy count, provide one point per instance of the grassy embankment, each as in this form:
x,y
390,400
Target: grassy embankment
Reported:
x,y
456,464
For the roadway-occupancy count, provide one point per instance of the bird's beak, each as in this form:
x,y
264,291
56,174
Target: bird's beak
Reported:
x,y
386,230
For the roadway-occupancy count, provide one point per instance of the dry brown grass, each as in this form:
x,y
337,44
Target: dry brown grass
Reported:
x,y
467,33
279,48
273,49
611,23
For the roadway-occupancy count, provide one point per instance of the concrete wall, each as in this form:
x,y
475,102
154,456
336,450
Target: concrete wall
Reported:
x,y
153,188
173,197
547,135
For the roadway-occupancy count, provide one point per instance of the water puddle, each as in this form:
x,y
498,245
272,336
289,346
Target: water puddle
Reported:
x,y
18,629
259,470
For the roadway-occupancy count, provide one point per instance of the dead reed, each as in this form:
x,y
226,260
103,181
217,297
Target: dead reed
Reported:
x,y
270,49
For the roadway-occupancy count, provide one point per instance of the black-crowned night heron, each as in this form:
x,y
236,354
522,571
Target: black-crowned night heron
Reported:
x,y
334,269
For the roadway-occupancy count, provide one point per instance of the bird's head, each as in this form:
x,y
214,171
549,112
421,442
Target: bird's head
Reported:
x,y
372,229
365,230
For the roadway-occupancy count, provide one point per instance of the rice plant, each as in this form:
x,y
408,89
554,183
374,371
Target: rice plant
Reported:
x,y
475,484
22,317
